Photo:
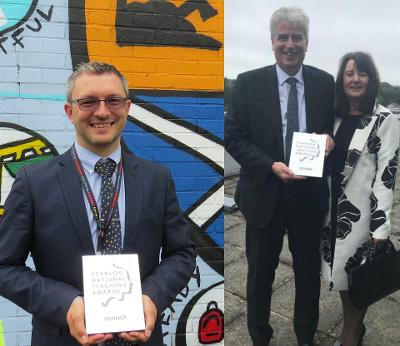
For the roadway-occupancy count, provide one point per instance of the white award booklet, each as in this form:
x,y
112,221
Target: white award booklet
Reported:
x,y
112,294
308,154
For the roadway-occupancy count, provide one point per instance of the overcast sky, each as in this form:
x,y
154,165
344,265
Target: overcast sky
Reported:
x,y
336,27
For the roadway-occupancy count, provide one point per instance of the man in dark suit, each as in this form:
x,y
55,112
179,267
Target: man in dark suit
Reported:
x,y
273,200
49,214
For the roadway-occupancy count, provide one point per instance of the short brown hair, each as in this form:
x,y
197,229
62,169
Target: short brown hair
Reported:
x,y
95,67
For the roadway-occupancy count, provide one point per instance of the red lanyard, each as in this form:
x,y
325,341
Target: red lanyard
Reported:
x,y
102,224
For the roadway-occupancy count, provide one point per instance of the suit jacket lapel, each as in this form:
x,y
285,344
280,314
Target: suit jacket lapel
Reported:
x,y
133,200
71,186
356,146
308,92
269,94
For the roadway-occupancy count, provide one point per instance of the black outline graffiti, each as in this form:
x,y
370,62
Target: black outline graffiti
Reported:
x,y
16,34
207,194
176,93
205,245
162,23
79,52
165,318
24,129
23,20
209,315
180,336
169,139
32,133
29,132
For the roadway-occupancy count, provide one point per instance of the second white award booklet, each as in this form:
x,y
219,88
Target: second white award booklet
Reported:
x,y
112,294
308,154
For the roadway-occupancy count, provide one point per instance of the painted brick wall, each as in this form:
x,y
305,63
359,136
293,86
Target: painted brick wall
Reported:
x,y
171,51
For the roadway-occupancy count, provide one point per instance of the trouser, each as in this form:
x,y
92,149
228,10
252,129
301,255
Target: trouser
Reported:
x,y
298,213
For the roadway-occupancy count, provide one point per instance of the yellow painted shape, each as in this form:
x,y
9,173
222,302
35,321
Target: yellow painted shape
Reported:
x,y
2,342
1,207
140,1
149,67
18,149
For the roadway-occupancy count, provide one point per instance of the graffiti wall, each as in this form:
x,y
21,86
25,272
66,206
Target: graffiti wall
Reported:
x,y
171,52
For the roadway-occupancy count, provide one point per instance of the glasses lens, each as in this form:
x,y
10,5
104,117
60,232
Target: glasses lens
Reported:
x,y
86,104
115,102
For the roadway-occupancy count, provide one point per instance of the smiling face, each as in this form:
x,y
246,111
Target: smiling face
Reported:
x,y
98,130
289,45
355,83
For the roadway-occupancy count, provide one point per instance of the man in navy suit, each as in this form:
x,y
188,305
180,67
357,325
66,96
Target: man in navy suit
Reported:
x,y
49,214
273,199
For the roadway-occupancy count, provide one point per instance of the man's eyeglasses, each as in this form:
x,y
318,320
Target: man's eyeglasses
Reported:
x,y
91,103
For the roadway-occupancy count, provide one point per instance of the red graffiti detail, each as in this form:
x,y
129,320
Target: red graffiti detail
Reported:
x,y
211,325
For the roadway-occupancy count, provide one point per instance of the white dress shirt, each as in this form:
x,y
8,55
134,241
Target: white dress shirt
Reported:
x,y
284,89
88,160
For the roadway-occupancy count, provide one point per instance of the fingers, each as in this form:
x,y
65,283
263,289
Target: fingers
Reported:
x,y
76,321
285,173
76,324
329,145
97,338
134,336
150,315
281,170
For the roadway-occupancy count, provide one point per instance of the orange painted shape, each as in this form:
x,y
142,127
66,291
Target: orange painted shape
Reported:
x,y
101,5
158,67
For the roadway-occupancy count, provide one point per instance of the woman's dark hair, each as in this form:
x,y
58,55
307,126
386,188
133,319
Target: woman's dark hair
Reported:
x,y
364,63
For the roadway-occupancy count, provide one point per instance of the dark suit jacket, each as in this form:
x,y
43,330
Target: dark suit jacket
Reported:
x,y
45,215
253,135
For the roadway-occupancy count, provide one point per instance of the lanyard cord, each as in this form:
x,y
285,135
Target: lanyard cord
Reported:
x,y
102,224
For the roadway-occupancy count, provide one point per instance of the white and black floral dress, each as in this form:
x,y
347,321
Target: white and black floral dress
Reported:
x,y
362,189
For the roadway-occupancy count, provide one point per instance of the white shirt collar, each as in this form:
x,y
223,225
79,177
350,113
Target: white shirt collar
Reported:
x,y
89,159
283,76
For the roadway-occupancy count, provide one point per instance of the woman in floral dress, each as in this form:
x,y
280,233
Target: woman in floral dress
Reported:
x,y
364,163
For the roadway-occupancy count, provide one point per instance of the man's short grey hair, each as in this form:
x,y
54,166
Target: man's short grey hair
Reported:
x,y
94,67
292,15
